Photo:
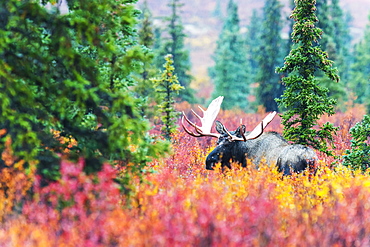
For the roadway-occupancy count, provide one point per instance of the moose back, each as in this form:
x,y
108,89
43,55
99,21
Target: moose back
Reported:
x,y
257,146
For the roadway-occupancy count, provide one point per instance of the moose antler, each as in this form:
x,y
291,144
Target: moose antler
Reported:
x,y
207,120
256,132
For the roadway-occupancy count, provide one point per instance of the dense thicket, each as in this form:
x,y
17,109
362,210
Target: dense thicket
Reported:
x,y
65,74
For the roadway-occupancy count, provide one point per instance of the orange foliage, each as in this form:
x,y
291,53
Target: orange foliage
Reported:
x,y
15,180
69,141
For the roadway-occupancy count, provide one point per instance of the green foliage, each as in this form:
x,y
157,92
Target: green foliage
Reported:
x,y
145,33
167,86
253,41
230,71
64,84
271,53
144,89
217,11
303,98
359,156
342,39
335,40
173,43
360,73
325,24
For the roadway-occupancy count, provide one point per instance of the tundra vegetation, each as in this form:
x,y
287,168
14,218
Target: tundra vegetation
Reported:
x,y
182,204
80,165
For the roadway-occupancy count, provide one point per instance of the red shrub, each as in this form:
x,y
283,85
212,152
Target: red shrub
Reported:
x,y
77,207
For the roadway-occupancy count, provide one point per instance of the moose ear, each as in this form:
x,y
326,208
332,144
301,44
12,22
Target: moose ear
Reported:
x,y
220,127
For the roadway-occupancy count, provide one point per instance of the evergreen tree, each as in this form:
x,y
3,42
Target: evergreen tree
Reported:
x,y
64,81
271,54
326,25
146,33
230,73
303,98
289,42
358,157
360,71
157,48
167,87
342,39
335,41
253,41
144,88
217,12
335,38
173,44
341,57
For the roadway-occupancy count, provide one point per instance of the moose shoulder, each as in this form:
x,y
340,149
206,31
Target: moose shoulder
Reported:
x,y
240,145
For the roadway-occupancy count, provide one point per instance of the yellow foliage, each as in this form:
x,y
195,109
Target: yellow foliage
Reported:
x,y
15,180
65,140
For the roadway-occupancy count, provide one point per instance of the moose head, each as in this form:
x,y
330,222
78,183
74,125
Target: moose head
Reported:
x,y
231,144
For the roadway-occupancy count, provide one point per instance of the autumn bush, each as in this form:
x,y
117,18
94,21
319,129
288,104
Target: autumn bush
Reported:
x,y
15,180
182,204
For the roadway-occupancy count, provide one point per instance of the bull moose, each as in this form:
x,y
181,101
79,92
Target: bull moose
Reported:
x,y
239,145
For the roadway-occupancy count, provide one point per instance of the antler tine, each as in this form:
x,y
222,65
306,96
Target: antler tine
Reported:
x,y
192,124
207,120
255,133
195,114
258,130
202,108
196,127
268,119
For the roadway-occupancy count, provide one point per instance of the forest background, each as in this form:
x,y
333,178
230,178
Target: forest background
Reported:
x,y
203,21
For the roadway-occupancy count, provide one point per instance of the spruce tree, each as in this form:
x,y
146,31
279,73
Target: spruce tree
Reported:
x,y
145,32
167,87
230,73
217,11
271,54
304,99
342,39
173,42
326,25
360,70
144,88
335,38
335,41
358,157
64,80
253,41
